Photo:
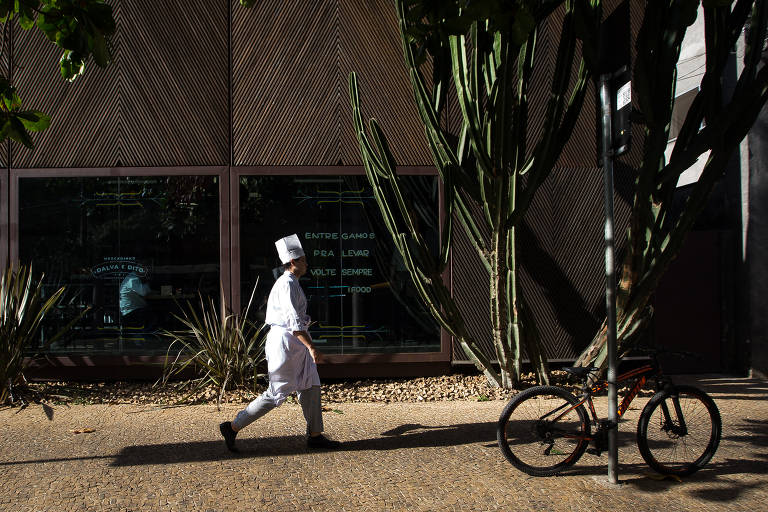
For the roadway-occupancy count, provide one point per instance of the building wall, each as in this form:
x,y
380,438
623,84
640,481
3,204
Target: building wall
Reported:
x,y
211,85
163,102
208,83
213,89
236,92
757,245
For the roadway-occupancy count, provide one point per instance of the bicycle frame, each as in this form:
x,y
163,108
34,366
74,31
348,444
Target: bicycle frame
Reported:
x,y
642,375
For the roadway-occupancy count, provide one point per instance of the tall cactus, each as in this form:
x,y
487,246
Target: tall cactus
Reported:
x,y
489,165
655,233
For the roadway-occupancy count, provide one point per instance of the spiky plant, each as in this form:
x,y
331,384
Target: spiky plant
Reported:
x,y
22,310
225,350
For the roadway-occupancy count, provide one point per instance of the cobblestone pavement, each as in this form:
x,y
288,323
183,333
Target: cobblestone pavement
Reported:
x,y
416,456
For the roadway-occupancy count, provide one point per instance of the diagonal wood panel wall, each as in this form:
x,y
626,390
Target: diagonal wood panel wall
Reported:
x,y
178,76
370,45
162,102
85,113
174,83
208,82
285,93
290,63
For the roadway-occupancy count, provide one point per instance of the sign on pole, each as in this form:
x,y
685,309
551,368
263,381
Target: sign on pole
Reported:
x,y
615,109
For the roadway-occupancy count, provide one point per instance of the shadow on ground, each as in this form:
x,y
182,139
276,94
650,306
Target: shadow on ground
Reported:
x,y
717,482
402,437
405,436
727,388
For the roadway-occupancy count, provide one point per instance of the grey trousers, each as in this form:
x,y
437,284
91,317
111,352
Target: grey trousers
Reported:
x,y
310,405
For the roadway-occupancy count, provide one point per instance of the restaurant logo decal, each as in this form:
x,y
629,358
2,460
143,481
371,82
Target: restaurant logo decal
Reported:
x,y
118,267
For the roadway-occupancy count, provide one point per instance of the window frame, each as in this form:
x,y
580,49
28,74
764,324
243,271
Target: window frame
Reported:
x,y
16,175
443,355
229,243
4,220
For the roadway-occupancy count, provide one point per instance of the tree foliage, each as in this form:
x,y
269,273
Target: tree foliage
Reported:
x,y
82,28
16,122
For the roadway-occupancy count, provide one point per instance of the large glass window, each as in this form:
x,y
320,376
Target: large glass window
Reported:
x,y
359,292
131,248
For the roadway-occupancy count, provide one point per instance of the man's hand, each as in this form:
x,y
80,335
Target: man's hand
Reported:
x,y
304,337
317,356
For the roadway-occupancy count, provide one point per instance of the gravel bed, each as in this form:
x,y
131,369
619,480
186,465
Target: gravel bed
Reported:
x,y
420,389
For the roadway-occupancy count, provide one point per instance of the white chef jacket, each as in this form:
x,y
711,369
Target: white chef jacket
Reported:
x,y
290,365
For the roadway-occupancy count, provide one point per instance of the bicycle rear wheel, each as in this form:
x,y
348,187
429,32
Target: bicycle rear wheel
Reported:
x,y
670,447
543,430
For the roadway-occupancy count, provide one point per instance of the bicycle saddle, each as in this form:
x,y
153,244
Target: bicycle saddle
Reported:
x,y
580,371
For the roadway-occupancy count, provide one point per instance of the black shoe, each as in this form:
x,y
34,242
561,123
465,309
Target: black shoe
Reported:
x,y
322,443
229,435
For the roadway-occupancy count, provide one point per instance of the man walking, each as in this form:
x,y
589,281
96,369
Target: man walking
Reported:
x,y
291,355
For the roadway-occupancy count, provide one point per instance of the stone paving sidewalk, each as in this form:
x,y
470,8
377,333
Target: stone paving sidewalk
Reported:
x,y
417,456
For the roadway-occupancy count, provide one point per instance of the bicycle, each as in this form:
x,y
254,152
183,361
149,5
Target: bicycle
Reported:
x,y
545,429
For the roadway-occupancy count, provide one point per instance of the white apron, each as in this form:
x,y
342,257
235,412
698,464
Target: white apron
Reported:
x,y
290,365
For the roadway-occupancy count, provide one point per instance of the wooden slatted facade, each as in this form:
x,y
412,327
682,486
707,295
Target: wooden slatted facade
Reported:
x,y
208,83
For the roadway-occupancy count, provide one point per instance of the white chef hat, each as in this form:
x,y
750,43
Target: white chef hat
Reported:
x,y
289,248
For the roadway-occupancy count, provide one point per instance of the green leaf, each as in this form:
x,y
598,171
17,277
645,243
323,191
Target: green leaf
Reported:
x,y
100,50
6,10
11,100
26,10
102,18
71,65
26,22
17,132
34,120
248,3
69,41
16,101
6,126
29,5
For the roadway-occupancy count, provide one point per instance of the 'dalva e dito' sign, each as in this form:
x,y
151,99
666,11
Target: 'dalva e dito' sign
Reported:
x,y
119,266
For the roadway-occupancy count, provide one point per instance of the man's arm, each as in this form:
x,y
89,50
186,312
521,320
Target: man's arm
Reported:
x,y
304,338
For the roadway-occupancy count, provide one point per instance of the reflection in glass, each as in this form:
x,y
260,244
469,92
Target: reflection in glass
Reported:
x,y
359,292
131,248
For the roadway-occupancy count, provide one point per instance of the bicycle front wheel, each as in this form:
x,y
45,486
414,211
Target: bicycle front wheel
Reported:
x,y
543,430
679,440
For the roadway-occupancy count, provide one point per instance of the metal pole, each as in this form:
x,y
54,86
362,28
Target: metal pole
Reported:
x,y
610,279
